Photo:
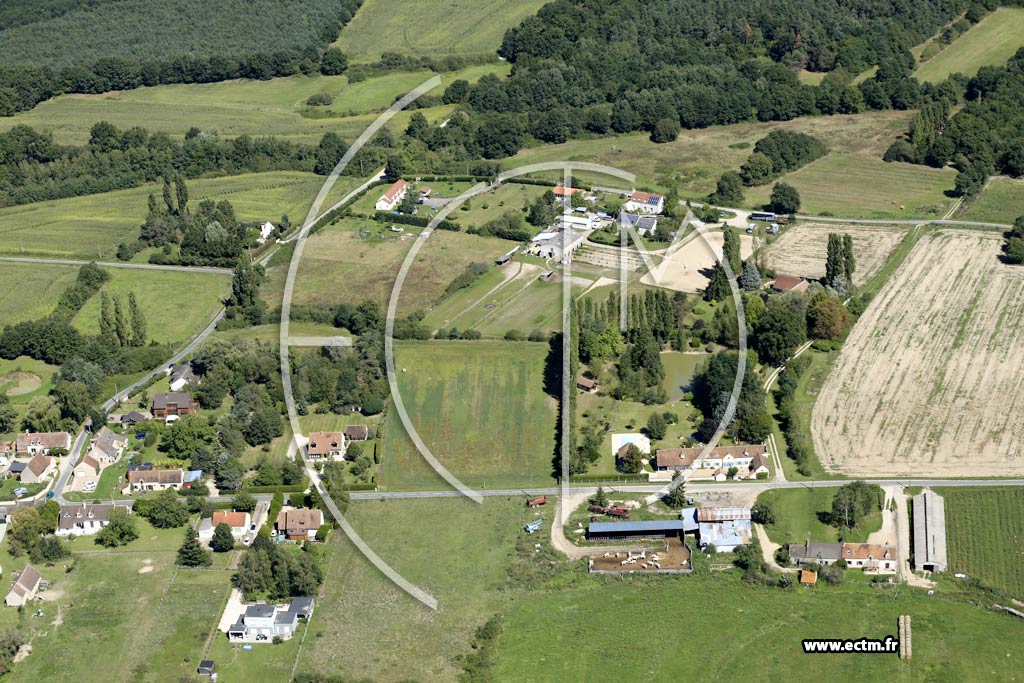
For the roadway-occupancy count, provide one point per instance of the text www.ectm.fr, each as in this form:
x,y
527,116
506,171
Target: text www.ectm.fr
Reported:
x,y
858,645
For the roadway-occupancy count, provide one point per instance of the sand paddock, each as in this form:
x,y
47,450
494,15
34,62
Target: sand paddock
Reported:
x,y
684,270
801,249
928,382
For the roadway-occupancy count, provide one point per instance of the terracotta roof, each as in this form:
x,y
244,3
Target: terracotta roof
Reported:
x,y
561,191
675,457
90,461
155,477
38,464
235,520
299,520
808,577
789,283
43,439
864,551
322,443
646,198
396,189
357,432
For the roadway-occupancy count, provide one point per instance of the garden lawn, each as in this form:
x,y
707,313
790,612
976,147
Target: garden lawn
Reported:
x,y
481,409
985,534
177,305
802,514
23,379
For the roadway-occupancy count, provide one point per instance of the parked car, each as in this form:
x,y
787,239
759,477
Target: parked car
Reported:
x,y
20,491
88,487
140,435
50,494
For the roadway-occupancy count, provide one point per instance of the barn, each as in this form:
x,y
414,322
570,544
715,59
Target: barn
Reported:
x,y
616,531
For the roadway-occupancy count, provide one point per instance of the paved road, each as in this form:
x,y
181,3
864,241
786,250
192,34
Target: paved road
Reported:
x,y
693,487
112,264
917,221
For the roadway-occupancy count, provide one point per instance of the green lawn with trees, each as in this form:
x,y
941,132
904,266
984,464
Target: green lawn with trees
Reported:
x,y
813,513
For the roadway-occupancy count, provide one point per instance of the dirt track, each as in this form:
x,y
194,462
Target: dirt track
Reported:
x,y
801,249
928,382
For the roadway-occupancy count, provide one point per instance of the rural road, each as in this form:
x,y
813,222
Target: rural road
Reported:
x,y
113,264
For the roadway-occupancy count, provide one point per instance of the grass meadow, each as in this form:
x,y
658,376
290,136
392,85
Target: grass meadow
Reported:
x,y
275,107
177,305
415,27
1002,201
91,226
31,290
859,187
985,534
481,409
23,379
696,160
992,41
358,259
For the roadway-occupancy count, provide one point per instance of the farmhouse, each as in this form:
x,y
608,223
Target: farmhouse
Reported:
x,y
871,557
173,405
84,519
325,445
153,480
107,445
724,528
24,587
790,283
37,469
811,552
33,443
299,524
644,202
181,376
720,457
930,532
393,196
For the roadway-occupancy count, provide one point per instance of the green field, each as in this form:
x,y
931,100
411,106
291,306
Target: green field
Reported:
x,y
953,640
91,227
985,534
698,157
992,41
276,107
23,379
1002,201
858,187
340,265
799,512
153,624
431,28
177,305
31,290
481,409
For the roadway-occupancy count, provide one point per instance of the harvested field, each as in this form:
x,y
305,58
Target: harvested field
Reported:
x,y
928,381
800,250
688,268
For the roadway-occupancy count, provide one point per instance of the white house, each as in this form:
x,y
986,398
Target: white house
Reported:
x,y
720,457
266,230
393,196
24,587
262,623
84,519
181,376
325,446
34,443
238,521
38,469
644,202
